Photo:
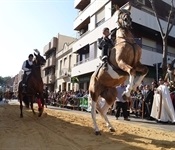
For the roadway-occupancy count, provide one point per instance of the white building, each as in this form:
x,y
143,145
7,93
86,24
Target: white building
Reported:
x,y
65,60
94,15
49,73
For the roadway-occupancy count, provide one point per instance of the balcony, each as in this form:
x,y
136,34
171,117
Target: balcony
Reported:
x,y
50,62
49,79
53,43
81,4
64,73
45,80
47,48
83,25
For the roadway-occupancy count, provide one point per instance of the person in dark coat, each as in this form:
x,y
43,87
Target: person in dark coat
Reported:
x,y
26,67
149,95
105,44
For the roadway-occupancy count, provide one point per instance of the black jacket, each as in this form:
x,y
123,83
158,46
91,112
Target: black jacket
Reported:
x,y
104,43
149,96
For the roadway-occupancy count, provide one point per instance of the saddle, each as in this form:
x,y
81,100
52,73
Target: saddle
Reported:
x,y
116,69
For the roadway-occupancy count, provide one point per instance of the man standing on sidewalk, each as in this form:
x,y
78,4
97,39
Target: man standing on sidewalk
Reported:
x,y
121,103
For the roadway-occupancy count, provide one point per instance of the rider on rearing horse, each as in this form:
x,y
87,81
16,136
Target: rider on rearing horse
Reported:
x,y
105,44
26,67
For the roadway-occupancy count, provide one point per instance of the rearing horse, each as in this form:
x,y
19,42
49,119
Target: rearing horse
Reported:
x,y
124,61
34,86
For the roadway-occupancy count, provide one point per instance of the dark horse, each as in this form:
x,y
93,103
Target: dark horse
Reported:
x,y
34,86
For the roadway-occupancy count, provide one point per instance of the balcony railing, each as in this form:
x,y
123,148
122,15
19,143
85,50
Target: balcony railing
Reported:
x,y
145,47
64,73
49,79
83,61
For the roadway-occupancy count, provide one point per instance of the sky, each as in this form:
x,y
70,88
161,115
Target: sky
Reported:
x,y
29,24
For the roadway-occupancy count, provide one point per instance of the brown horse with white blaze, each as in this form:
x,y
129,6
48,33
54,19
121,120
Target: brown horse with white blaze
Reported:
x,y
34,86
123,62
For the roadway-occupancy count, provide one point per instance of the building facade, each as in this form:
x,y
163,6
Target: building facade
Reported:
x,y
94,15
17,80
65,60
49,73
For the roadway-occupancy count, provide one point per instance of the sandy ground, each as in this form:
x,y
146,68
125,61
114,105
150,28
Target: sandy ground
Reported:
x,y
64,130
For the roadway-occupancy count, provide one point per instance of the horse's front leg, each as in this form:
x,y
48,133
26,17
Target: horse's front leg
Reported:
x,y
40,101
143,70
129,87
31,104
131,73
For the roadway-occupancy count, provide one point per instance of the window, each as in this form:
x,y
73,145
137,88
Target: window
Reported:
x,y
141,1
70,59
100,17
68,86
60,64
95,49
65,60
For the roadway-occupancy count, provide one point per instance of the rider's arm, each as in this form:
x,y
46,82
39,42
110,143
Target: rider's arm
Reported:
x,y
24,67
100,43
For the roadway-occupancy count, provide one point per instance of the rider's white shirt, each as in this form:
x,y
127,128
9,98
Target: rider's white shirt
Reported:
x,y
24,66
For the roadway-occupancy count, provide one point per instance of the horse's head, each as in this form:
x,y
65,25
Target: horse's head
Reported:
x,y
39,59
124,19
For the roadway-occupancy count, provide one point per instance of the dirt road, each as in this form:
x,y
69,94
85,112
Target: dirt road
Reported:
x,y
62,130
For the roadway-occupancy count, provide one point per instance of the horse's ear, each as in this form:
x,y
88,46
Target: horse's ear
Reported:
x,y
37,51
35,55
128,7
116,7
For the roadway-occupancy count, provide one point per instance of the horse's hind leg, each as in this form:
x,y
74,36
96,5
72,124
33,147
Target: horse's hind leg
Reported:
x,y
93,113
143,70
103,112
21,106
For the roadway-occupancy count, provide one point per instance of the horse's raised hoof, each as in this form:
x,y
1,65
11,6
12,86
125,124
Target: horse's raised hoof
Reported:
x,y
112,130
97,133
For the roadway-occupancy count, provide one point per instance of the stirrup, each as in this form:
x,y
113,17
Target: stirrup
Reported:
x,y
104,58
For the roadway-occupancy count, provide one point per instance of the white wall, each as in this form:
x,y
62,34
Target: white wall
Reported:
x,y
87,67
108,10
89,11
92,23
148,20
